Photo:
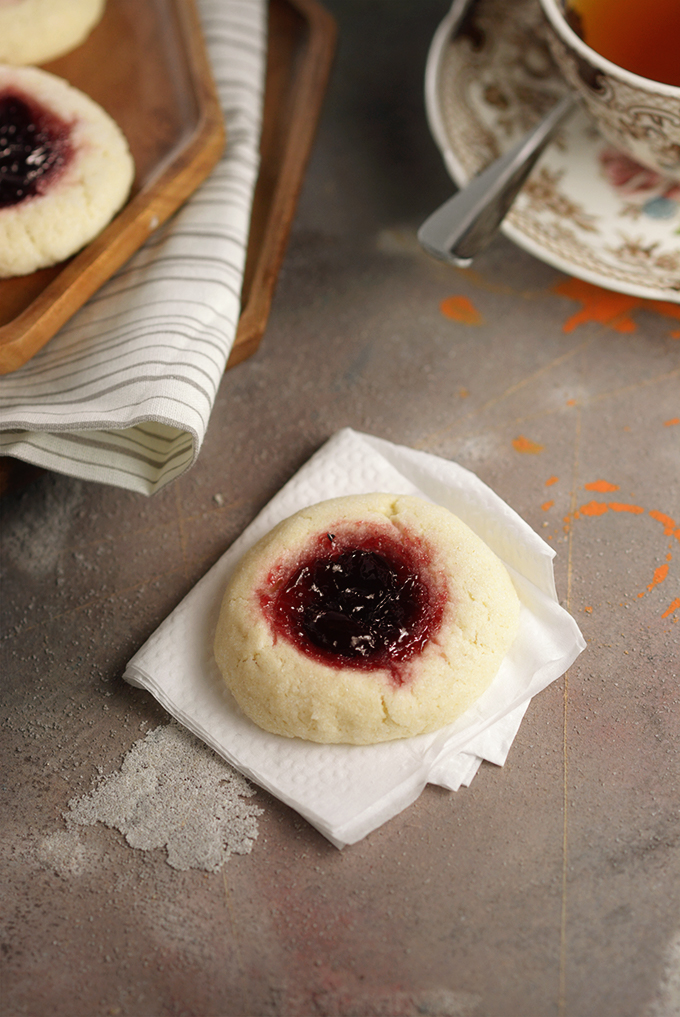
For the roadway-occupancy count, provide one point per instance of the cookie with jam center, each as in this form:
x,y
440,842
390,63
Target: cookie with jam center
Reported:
x,y
65,169
365,619
35,31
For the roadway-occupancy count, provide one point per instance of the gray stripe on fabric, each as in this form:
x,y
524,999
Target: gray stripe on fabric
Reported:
x,y
110,467
187,259
95,379
125,383
88,442
113,294
68,363
100,423
177,316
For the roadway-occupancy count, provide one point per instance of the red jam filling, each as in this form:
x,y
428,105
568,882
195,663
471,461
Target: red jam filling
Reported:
x,y
34,148
366,601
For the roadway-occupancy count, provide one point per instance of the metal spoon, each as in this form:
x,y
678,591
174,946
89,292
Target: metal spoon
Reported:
x,y
460,228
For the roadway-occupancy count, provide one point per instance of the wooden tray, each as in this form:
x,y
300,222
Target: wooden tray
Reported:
x,y
299,57
145,63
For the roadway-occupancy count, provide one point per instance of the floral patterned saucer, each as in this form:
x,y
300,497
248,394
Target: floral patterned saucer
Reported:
x,y
586,208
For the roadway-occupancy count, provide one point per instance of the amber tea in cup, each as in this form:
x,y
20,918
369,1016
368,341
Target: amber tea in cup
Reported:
x,y
642,36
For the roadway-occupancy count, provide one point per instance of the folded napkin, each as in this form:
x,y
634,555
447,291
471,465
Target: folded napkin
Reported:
x,y
347,791
123,393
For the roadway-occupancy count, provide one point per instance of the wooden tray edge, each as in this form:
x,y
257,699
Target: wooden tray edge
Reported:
x,y
309,88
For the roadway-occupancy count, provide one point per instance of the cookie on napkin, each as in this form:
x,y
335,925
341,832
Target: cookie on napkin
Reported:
x,y
346,791
364,619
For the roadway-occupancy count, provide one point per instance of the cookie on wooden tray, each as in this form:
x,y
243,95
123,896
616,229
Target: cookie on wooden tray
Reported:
x,y
35,31
65,169
365,619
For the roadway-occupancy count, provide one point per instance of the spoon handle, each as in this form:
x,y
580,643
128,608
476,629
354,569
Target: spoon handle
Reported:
x,y
460,228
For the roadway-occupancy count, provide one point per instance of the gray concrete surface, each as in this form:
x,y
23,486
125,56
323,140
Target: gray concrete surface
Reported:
x,y
549,887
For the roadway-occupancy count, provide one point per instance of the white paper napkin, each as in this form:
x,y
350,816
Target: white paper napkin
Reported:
x,y
348,791
123,393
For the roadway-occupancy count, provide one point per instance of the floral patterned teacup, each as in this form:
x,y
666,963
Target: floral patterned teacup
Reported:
x,y
639,116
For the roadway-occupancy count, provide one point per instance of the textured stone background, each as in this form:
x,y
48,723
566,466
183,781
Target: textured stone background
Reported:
x,y
548,887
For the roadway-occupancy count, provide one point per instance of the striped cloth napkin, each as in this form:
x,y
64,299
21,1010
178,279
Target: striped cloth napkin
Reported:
x,y
123,393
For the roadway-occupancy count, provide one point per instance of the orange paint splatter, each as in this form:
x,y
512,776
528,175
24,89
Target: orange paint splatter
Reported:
x,y
551,480
600,508
609,308
673,606
547,505
593,508
671,422
664,307
571,402
660,574
463,393
618,506
522,444
666,521
603,306
588,610
601,486
461,309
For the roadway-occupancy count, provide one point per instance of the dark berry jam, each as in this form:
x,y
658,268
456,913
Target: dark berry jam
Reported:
x,y
34,147
366,601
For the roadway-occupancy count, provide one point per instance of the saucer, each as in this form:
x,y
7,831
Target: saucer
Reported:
x,y
586,209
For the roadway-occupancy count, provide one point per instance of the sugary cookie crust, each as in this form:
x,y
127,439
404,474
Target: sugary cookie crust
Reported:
x,y
289,692
81,198
36,31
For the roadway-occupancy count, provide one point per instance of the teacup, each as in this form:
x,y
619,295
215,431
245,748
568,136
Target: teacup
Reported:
x,y
639,116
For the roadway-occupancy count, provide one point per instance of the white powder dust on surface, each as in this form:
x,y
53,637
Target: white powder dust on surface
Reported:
x,y
173,791
63,852
35,532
